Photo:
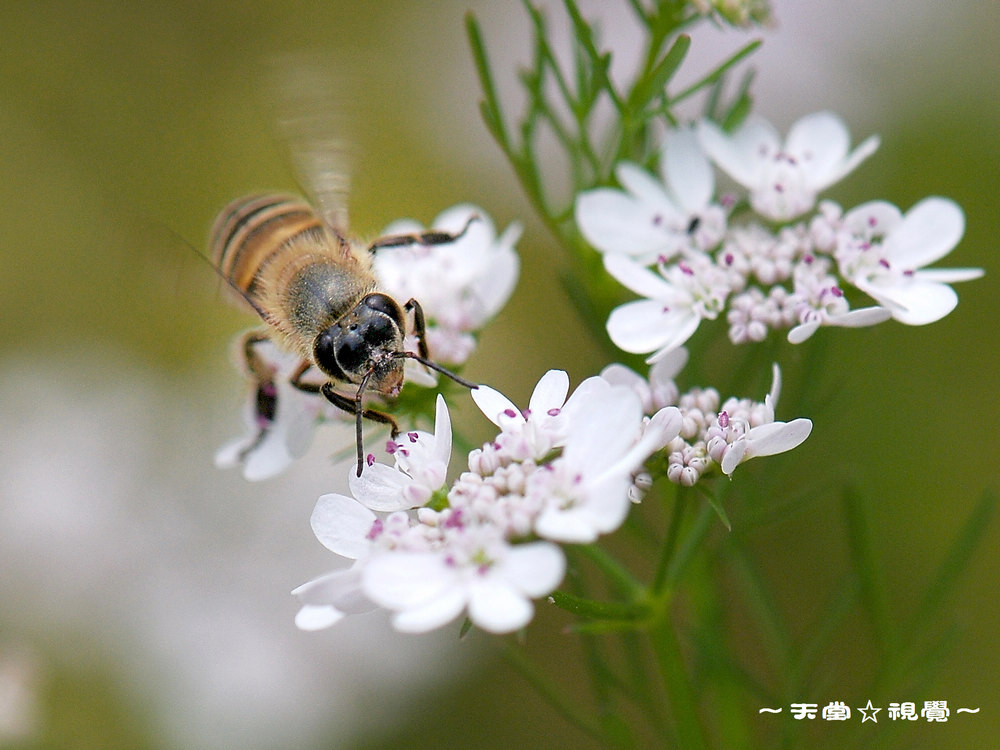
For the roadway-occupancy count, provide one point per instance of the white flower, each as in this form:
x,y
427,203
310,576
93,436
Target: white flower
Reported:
x,y
882,253
460,285
478,572
677,299
765,440
745,430
280,419
653,219
532,433
421,467
585,492
818,301
784,179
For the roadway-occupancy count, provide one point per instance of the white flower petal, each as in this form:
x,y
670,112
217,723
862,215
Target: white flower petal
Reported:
x,y
667,423
340,589
535,568
861,317
317,617
682,328
612,428
803,331
493,404
668,366
619,374
737,155
640,326
640,280
734,456
873,217
644,326
819,143
916,302
865,149
432,614
496,608
266,460
380,488
405,580
550,392
928,232
455,218
442,432
949,275
686,171
616,223
778,437
646,188
570,526
341,524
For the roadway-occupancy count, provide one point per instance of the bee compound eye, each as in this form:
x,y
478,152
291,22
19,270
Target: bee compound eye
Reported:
x,y
385,304
353,352
379,331
325,349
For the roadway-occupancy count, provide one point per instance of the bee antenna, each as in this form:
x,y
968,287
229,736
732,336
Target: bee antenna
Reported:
x,y
435,366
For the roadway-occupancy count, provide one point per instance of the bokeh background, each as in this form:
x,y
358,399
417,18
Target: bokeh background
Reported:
x,y
144,595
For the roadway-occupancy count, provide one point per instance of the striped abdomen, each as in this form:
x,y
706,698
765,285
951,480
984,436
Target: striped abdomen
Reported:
x,y
251,232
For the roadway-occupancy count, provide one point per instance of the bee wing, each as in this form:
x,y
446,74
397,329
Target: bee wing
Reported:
x,y
310,114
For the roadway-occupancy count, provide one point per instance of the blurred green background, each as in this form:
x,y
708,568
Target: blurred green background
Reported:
x,y
143,594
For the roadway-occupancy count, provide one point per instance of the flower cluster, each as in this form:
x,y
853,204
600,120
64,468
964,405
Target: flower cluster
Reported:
x,y
561,470
712,433
460,285
671,241
564,470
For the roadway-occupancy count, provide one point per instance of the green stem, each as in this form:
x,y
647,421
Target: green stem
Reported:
x,y
658,584
690,733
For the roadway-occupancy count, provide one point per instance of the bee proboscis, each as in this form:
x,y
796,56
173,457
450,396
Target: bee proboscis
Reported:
x,y
316,291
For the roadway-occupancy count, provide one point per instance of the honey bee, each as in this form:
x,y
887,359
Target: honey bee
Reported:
x,y
315,289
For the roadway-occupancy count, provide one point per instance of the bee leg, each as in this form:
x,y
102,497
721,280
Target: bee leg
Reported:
x,y
256,367
296,380
419,330
419,327
353,406
420,238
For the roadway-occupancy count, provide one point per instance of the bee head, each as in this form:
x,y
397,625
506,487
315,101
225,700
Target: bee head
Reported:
x,y
365,342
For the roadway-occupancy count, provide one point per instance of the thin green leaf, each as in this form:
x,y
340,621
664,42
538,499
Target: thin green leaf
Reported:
x,y
956,561
717,73
719,510
828,625
741,105
599,610
761,605
654,84
601,63
466,627
490,106
872,586
553,694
